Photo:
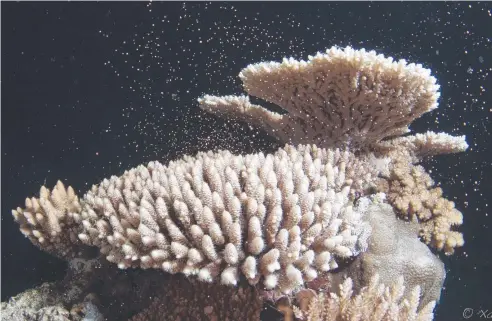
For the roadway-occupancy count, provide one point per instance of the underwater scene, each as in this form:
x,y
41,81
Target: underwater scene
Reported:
x,y
246,161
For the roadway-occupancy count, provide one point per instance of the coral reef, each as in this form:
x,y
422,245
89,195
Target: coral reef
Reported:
x,y
343,202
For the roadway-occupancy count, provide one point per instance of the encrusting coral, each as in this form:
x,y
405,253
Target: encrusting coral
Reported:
x,y
395,251
298,217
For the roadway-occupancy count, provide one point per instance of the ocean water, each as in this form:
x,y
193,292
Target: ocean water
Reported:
x,y
90,90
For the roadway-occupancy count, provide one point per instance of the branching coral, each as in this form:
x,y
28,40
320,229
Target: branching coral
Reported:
x,y
411,191
46,220
375,302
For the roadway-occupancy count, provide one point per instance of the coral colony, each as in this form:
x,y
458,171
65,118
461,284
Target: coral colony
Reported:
x,y
344,208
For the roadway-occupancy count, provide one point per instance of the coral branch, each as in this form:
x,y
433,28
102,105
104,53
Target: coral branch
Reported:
x,y
376,302
47,221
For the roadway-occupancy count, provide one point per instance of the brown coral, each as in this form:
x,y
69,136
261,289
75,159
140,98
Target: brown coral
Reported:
x,y
412,192
187,299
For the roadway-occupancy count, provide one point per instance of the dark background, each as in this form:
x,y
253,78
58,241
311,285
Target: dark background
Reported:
x,y
91,89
